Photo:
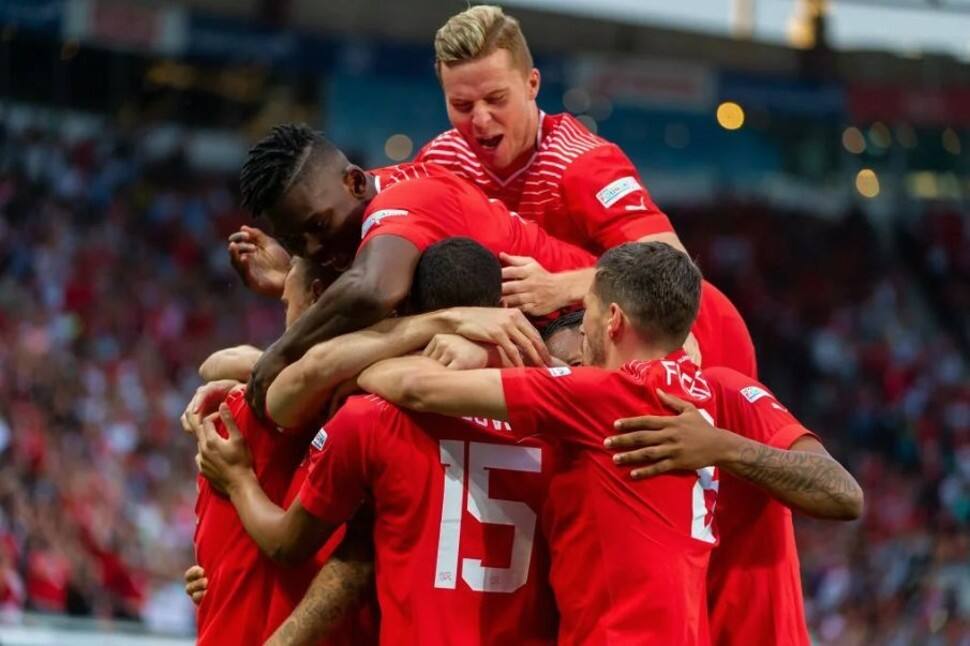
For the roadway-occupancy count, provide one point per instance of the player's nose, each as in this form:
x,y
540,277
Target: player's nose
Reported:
x,y
481,118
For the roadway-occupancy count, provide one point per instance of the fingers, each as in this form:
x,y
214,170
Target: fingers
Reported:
x,y
657,469
515,260
646,422
528,346
242,248
194,573
514,287
240,236
516,272
674,403
637,439
646,456
229,421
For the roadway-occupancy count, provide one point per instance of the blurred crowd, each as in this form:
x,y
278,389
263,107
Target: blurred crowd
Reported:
x,y
114,285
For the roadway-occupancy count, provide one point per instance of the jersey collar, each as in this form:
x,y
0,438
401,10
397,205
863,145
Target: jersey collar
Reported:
x,y
505,182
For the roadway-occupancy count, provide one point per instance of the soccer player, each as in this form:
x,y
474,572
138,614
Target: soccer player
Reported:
x,y
239,605
324,208
552,170
459,556
629,558
235,570
770,463
563,339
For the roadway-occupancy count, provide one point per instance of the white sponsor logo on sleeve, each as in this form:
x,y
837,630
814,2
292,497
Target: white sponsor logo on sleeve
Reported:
x,y
559,371
319,439
754,393
375,218
617,190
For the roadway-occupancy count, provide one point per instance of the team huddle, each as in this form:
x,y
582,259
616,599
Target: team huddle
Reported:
x,y
506,407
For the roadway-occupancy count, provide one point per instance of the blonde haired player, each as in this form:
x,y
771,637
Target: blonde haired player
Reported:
x,y
551,169
581,188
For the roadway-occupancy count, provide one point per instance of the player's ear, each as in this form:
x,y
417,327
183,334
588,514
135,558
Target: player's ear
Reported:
x,y
616,322
355,179
534,81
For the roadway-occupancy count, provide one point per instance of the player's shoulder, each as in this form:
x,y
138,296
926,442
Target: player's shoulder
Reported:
x,y
358,408
568,138
738,390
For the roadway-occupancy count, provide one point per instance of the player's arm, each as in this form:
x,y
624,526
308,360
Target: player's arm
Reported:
x,y
367,292
300,391
334,590
803,475
424,385
289,535
230,363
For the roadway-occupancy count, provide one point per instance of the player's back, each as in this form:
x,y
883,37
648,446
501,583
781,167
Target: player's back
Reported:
x,y
459,555
241,579
629,558
755,590
426,203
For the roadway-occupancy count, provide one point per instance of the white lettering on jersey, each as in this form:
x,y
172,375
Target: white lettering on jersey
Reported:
x,y
617,190
559,371
375,218
754,393
319,439
695,385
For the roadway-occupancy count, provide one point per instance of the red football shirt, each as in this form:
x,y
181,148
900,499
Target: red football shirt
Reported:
x,y
582,189
754,585
424,204
629,558
242,579
459,556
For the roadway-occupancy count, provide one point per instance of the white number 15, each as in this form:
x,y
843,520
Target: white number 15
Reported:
x,y
481,458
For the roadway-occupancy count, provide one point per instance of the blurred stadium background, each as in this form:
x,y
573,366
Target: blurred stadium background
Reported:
x,y
814,155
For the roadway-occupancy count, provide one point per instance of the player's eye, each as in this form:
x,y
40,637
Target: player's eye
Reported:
x,y
497,100
462,107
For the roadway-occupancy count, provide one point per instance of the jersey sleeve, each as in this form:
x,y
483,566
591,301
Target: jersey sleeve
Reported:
x,y
417,211
552,253
603,192
339,457
553,401
749,409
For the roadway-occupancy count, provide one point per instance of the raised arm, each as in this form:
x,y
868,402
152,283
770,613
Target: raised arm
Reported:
x,y
366,293
424,385
302,390
803,476
290,535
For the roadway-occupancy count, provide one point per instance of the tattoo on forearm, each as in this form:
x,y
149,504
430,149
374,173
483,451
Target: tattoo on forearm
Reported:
x,y
809,478
334,591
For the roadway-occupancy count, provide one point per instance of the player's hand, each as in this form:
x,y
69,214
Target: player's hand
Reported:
x,y
506,328
223,461
204,402
528,286
259,260
658,444
196,583
456,352
264,372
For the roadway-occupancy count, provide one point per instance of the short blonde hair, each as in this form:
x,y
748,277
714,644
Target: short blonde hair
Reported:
x,y
476,33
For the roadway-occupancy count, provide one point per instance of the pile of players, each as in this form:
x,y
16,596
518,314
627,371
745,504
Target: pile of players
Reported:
x,y
413,462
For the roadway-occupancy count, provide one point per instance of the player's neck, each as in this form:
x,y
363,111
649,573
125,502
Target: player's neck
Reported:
x,y
619,355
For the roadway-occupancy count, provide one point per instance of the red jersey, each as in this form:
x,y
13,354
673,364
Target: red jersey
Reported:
x,y
241,578
459,557
577,186
629,558
754,585
424,204
584,190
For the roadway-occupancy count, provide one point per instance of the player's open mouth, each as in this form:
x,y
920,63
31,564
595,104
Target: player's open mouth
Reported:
x,y
490,143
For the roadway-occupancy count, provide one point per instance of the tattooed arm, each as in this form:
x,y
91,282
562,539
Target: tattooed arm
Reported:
x,y
803,476
334,592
